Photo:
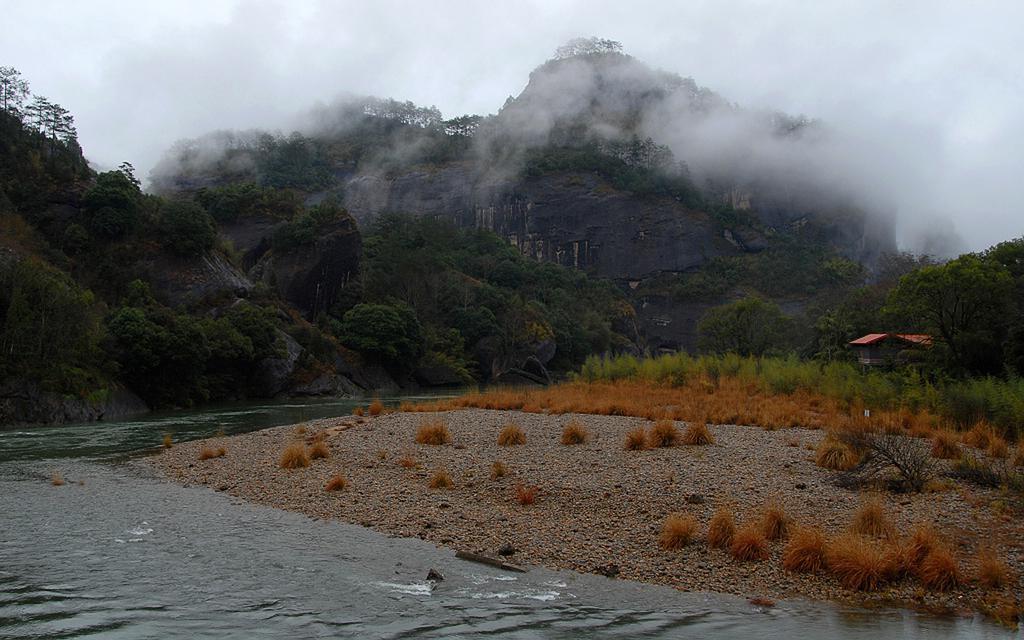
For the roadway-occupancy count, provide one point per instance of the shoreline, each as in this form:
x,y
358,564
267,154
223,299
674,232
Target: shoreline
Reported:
x,y
599,508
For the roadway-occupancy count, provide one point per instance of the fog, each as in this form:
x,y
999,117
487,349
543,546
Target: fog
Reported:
x,y
923,103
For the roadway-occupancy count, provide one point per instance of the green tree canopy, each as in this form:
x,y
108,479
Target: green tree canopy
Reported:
x,y
389,333
185,228
749,327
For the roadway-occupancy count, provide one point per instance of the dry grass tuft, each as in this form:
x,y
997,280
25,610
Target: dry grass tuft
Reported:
x,y
721,529
636,440
1005,610
358,411
678,531
856,563
775,525
805,552
870,519
511,435
663,434
407,462
376,407
980,435
697,433
574,433
57,479
526,495
434,432
833,454
749,544
319,450
993,572
923,539
294,457
336,483
498,470
300,430
945,445
167,441
441,480
997,448
207,453
940,570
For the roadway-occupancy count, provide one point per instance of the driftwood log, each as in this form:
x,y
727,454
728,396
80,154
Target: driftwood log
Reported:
x,y
494,562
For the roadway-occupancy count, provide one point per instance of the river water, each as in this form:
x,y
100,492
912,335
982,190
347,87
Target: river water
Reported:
x,y
118,553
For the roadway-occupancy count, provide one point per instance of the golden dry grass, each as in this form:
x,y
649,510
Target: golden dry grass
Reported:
x,y
208,453
721,529
407,462
511,435
433,432
498,470
526,494
57,479
993,572
294,457
319,450
167,441
1006,610
805,552
574,433
834,455
940,570
997,448
376,407
636,440
697,433
663,434
731,401
923,538
945,445
358,411
677,531
871,520
979,436
441,480
856,563
300,430
749,544
774,523
336,483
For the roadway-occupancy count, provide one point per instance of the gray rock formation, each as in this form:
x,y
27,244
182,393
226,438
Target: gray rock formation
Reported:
x,y
23,402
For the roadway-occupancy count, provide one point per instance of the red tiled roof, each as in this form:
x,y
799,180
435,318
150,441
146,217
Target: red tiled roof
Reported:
x,y
874,338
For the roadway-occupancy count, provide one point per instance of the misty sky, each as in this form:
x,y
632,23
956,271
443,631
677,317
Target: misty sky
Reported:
x,y
934,88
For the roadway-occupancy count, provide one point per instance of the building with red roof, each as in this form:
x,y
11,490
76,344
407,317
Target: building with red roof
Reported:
x,y
880,349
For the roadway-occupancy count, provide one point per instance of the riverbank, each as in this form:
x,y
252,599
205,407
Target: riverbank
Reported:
x,y
599,507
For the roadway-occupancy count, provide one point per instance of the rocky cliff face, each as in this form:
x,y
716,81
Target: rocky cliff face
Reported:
x,y
573,219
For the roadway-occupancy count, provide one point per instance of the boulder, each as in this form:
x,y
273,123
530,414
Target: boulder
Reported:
x,y
273,375
23,402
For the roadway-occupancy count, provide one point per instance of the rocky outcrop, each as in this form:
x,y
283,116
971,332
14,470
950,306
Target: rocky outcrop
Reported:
x,y
312,277
574,219
23,402
273,375
184,281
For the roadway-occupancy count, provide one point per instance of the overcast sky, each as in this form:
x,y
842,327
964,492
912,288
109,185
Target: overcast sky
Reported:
x,y
937,86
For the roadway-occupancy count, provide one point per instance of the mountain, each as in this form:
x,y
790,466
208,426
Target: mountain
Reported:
x,y
600,164
606,208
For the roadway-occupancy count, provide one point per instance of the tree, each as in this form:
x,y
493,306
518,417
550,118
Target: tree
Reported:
x,y
964,303
13,90
185,228
749,327
112,205
389,333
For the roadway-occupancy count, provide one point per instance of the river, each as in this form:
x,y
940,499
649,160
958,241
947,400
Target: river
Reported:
x,y
119,553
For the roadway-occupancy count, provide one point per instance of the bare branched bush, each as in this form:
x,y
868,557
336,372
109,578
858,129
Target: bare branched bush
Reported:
x,y
884,453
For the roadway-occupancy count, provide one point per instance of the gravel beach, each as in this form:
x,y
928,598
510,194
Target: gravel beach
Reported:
x,y
599,508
